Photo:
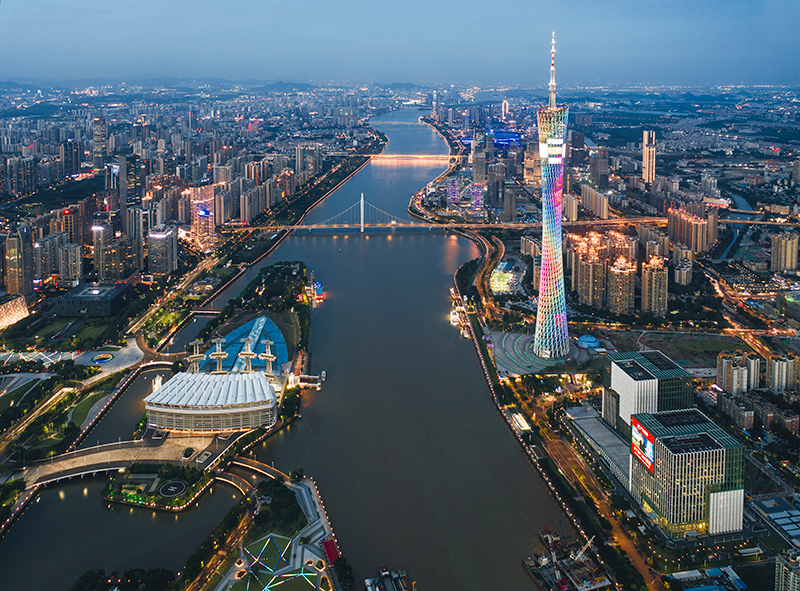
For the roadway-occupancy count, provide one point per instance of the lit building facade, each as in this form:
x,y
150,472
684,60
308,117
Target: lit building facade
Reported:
x,y
12,310
783,372
787,571
621,284
784,252
162,251
687,473
646,381
551,340
649,157
203,217
738,371
654,288
209,403
100,148
19,261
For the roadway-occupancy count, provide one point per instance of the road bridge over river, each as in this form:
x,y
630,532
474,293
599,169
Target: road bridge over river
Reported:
x,y
117,456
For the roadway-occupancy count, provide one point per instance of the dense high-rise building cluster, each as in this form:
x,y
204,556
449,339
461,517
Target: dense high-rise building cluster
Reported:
x,y
604,273
167,169
694,226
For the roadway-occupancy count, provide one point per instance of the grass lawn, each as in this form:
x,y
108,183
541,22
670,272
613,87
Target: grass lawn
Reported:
x,y
109,348
284,323
90,330
268,551
759,577
756,482
773,543
694,350
224,272
46,200
16,395
52,327
624,341
84,406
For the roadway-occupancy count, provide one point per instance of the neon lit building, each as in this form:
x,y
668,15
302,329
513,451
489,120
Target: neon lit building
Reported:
x,y
203,217
452,193
476,197
552,339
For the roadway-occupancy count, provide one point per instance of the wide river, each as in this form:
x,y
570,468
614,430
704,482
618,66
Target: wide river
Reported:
x,y
416,468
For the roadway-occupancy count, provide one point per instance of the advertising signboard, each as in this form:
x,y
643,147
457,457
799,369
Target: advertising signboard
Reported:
x,y
643,444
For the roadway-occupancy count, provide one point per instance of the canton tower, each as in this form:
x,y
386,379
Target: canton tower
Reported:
x,y
552,340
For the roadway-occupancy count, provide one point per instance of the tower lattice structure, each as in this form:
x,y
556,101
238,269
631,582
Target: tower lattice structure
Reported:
x,y
551,339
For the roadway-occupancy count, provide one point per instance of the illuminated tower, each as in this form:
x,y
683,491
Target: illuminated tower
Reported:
x,y
552,340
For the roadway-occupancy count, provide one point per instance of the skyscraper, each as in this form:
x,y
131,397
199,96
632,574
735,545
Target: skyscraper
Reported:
x,y
784,251
649,157
654,287
787,571
100,144
70,154
162,251
621,283
453,192
203,217
551,339
19,260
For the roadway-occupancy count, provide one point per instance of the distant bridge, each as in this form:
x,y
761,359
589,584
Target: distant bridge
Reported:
x,y
423,157
206,311
363,214
374,122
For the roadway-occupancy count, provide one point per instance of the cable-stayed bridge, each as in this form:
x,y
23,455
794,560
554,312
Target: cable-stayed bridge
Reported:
x,y
378,122
363,214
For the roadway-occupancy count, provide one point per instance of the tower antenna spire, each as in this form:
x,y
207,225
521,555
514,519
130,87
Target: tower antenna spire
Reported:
x,y
553,73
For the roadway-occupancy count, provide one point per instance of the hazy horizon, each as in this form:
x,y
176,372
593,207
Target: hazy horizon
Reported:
x,y
623,43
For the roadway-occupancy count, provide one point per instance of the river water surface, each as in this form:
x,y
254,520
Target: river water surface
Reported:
x,y
416,467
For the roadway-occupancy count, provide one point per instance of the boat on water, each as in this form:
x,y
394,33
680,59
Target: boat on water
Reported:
x,y
322,376
454,320
387,580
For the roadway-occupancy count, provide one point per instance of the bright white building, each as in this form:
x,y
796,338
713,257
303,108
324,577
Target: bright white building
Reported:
x,y
213,403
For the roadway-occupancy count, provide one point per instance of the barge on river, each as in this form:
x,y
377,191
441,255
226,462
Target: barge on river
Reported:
x,y
395,580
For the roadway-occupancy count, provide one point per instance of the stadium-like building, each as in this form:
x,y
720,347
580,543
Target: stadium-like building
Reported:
x,y
212,403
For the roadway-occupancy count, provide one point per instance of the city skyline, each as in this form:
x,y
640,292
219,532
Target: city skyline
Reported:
x,y
693,44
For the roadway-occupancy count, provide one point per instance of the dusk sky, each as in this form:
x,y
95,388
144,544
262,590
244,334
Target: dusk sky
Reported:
x,y
683,42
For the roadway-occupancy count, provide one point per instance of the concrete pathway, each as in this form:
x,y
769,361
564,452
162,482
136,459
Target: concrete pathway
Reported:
x,y
125,357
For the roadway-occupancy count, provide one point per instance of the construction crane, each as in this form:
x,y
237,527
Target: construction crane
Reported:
x,y
561,582
580,553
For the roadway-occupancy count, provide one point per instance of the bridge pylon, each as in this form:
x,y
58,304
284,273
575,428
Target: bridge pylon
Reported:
x,y
362,213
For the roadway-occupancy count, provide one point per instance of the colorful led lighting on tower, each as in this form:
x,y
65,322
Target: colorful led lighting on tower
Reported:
x,y
551,340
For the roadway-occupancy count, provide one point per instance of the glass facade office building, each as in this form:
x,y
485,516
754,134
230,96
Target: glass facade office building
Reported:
x,y
694,481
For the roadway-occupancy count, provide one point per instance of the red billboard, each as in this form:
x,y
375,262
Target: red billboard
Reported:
x,y
643,444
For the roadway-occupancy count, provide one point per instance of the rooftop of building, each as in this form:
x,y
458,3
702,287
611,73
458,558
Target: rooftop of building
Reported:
x,y
201,390
258,329
95,292
684,444
686,422
4,299
654,363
